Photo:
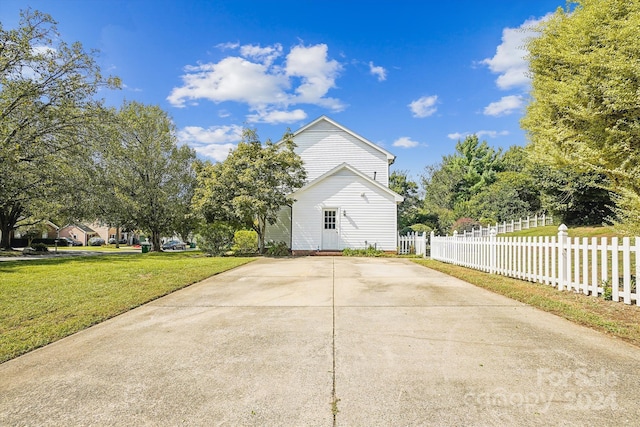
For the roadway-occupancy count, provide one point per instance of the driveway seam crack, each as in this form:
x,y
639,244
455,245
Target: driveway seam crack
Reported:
x,y
334,398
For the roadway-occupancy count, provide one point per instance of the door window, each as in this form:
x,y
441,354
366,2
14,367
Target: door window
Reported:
x,y
329,220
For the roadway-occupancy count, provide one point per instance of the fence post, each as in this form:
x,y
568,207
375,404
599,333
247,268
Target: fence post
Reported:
x,y
493,248
562,256
433,234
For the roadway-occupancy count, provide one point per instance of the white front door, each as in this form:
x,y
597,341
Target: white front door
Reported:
x,y
330,239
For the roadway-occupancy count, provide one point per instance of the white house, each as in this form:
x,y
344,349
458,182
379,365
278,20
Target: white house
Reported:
x,y
346,201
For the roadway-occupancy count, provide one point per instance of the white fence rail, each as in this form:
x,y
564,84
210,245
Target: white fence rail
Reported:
x,y
590,266
413,243
509,227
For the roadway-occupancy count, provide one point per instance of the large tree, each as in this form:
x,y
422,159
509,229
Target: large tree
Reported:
x,y
460,176
150,178
585,109
47,113
252,184
409,209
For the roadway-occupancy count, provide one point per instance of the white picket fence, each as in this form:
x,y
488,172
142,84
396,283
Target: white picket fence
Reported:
x,y
582,265
511,226
413,243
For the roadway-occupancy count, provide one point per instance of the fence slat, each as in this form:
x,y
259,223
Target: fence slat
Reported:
x,y
558,261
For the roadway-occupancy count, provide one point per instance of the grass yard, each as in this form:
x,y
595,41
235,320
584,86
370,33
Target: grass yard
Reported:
x,y
44,300
614,318
552,230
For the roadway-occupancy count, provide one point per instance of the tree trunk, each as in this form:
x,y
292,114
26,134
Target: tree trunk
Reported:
x,y
5,243
118,236
155,241
9,216
261,230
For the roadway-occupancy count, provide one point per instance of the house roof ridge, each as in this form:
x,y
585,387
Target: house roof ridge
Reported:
x,y
390,156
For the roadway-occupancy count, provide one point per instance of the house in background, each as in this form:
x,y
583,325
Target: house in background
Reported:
x,y
79,232
44,230
346,201
84,232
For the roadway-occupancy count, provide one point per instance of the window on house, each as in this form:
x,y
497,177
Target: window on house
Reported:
x,y
329,220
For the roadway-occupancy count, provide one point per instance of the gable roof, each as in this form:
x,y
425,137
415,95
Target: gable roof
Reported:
x,y
390,157
397,198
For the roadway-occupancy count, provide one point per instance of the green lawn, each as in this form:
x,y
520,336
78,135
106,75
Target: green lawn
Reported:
x,y
44,300
103,248
552,230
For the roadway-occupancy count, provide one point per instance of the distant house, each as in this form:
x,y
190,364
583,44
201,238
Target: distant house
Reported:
x,y
84,232
47,230
346,202
79,232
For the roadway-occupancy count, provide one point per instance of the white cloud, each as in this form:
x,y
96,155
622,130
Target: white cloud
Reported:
x,y
214,142
265,55
424,107
490,133
218,152
232,79
317,73
260,78
506,106
509,61
405,142
228,45
275,116
457,135
378,71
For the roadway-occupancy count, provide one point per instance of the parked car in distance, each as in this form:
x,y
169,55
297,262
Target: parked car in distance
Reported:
x,y
68,241
113,241
174,245
96,241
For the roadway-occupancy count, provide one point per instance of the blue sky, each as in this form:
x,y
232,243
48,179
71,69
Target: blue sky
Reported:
x,y
411,76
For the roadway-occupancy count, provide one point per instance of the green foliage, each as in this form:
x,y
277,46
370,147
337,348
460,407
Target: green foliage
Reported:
x,y
451,185
148,179
607,291
572,196
416,228
215,238
465,224
251,185
409,209
368,252
277,249
48,117
586,79
40,247
421,228
512,195
245,242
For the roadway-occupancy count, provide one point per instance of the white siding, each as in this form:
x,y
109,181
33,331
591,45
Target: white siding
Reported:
x,y
366,214
323,146
281,230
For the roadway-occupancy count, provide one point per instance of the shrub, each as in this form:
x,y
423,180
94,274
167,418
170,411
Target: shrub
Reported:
x,y
40,247
277,249
465,224
420,228
607,291
215,238
369,252
245,242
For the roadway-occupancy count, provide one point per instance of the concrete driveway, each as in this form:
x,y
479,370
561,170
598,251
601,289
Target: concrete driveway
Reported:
x,y
325,341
